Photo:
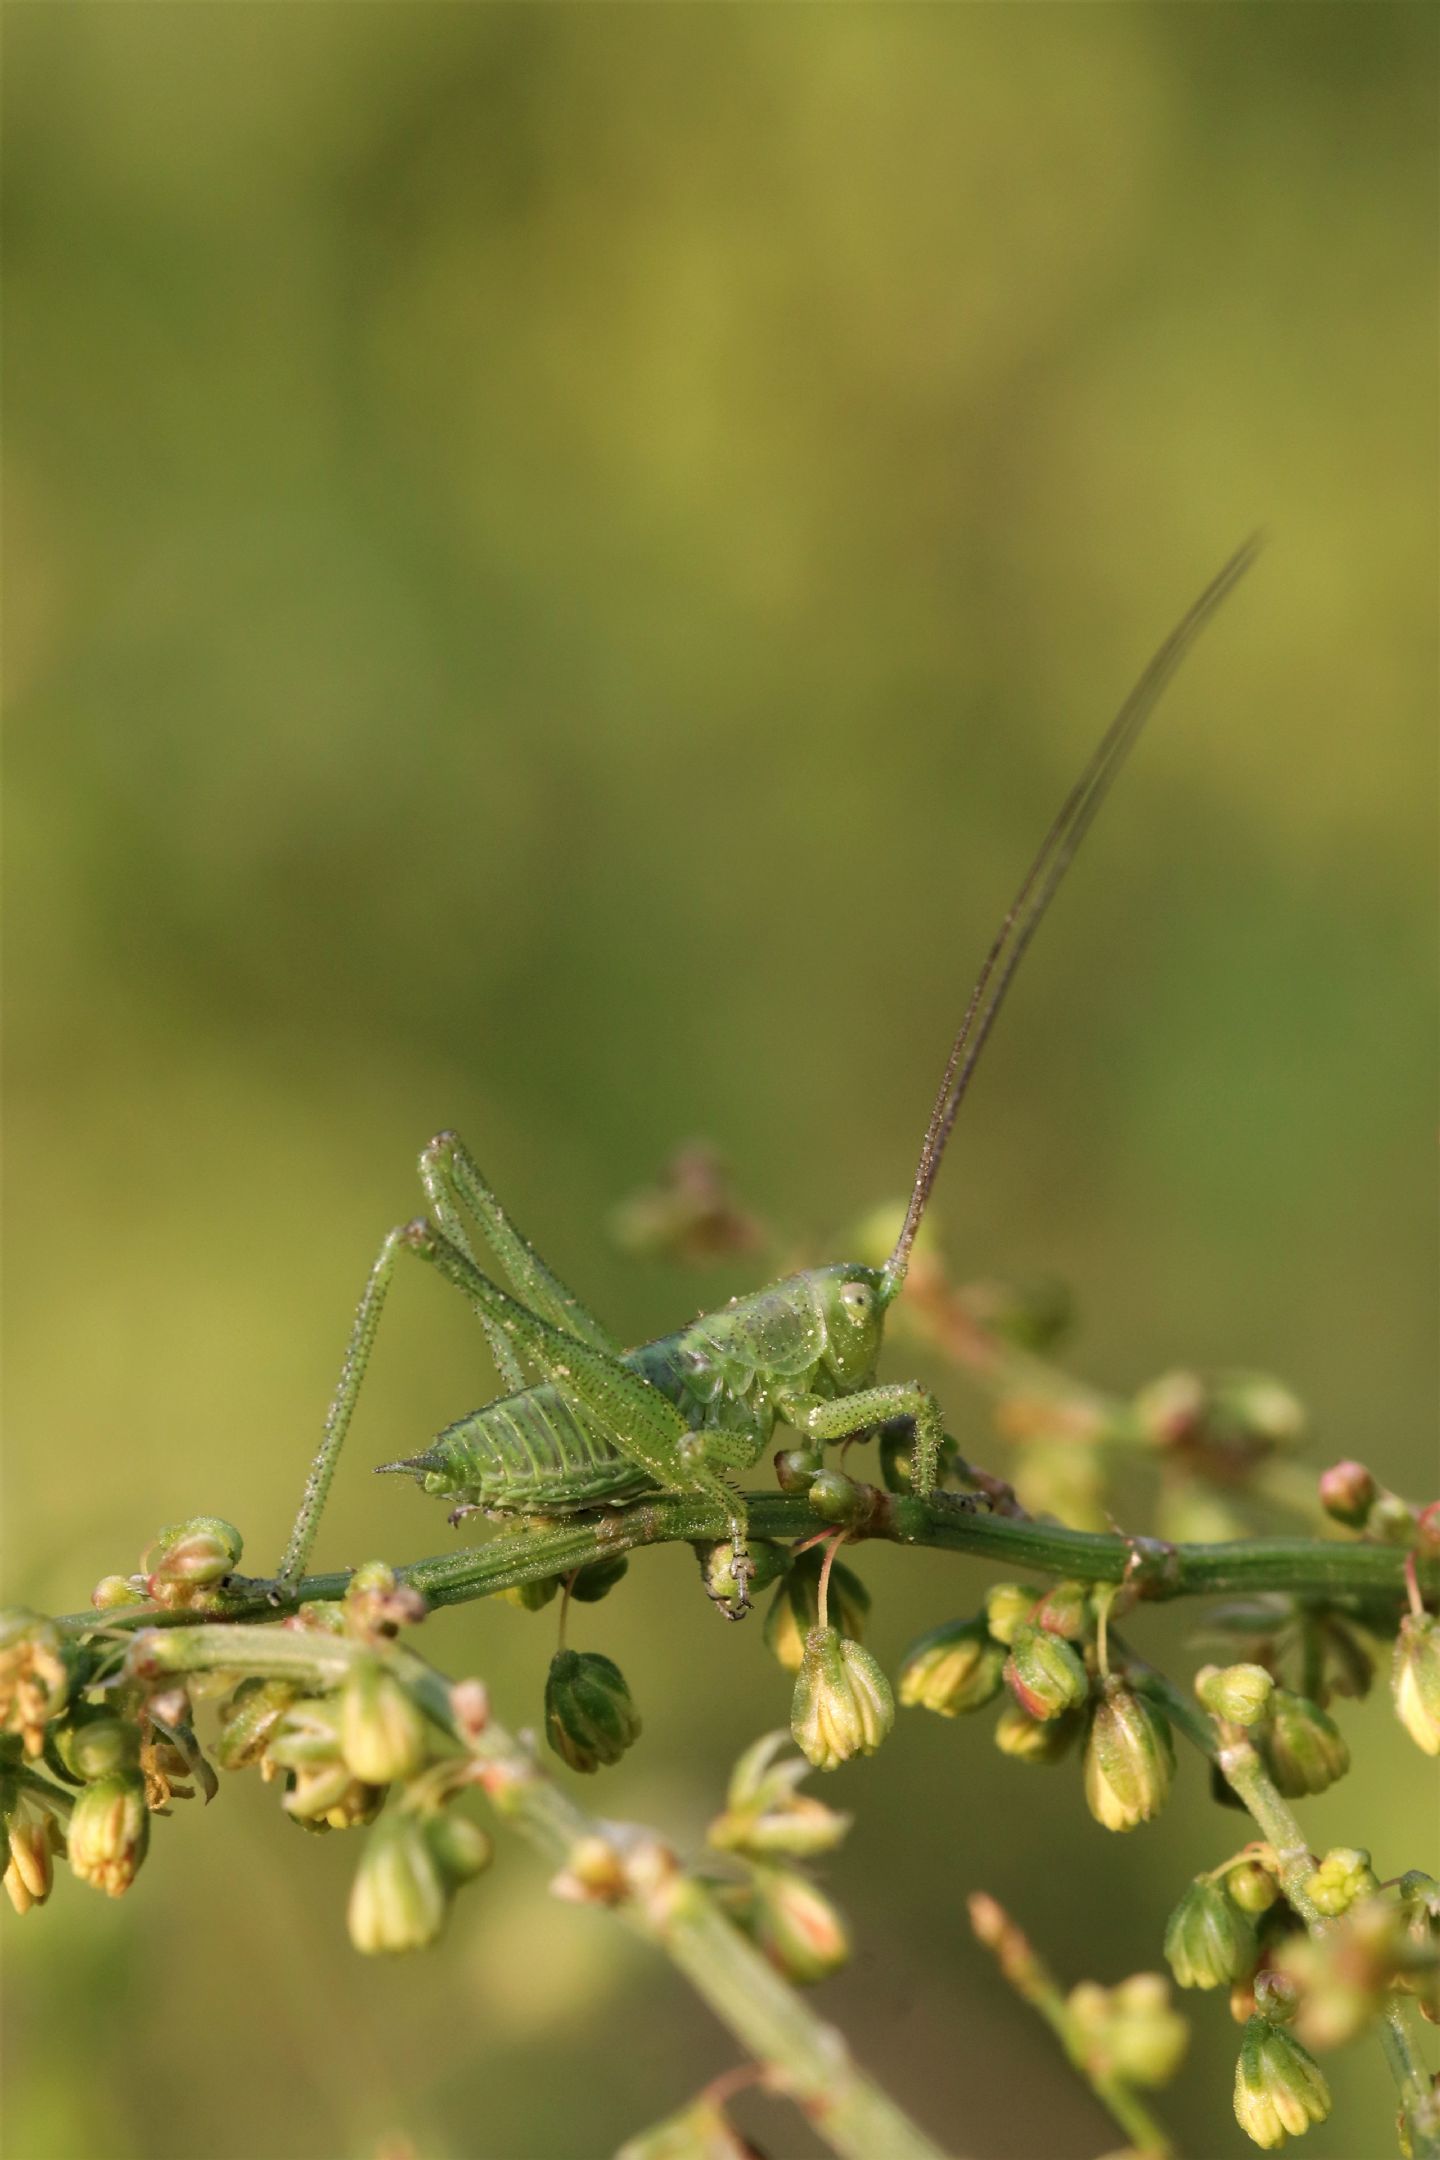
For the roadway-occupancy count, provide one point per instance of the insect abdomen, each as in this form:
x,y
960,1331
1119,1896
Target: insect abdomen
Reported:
x,y
528,1452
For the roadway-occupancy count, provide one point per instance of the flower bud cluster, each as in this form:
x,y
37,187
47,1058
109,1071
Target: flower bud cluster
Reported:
x,y
186,1566
1353,1495
1132,2032
35,1676
1222,1426
767,1823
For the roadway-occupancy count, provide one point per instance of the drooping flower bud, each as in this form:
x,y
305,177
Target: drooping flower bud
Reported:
x,y
768,1562
1036,1740
842,1705
957,1667
1347,1492
91,1746
1065,1610
1044,1673
1344,1875
1008,1606
191,1555
113,1592
1415,1679
1240,1693
34,1675
1304,1749
248,1718
382,1728
1279,2087
796,1608
589,1716
399,1898
1208,1941
766,1817
532,1596
323,1789
29,1866
796,1926
1252,1887
1129,1759
109,1832
598,1578
1133,2031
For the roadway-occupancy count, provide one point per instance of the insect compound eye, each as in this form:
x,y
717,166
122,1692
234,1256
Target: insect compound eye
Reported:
x,y
857,1300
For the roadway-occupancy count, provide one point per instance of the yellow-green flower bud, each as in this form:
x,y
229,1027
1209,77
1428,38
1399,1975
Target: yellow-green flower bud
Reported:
x,y
768,1562
1253,1888
1044,1673
1129,1759
1303,1748
29,1867
842,1705
192,1555
1344,1875
1208,1942
462,1850
1240,1693
835,1497
1064,1610
382,1728
109,1832
399,1898
1279,2087
377,1604
959,1666
1036,1740
34,1675
589,1716
795,1609
323,1789
1008,1606
93,1747
248,1718
1415,1679
1133,2031
1276,1995
532,1596
766,1816
1348,1492
796,1926
113,1592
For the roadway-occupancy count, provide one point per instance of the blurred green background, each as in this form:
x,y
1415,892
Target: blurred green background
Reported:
x,y
559,562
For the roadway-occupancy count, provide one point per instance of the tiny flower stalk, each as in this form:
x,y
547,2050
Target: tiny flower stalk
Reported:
x,y
1280,2089
590,1718
956,1668
842,1704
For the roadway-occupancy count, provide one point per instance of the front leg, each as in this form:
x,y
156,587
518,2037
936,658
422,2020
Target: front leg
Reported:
x,y
824,1419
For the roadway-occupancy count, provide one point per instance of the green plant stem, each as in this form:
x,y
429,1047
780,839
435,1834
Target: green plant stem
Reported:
x,y
1243,1768
1370,1578
803,2056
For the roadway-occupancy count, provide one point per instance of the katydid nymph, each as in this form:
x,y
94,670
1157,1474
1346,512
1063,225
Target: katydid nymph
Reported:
x,y
586,1425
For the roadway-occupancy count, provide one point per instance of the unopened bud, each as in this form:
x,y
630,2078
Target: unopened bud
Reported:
x,y
1347,1492
796,1469
1064,1610
598,1578
1279,2087
382,1728
532,1596
1132,2032
399,1898
1044,1673
1303,1748
113,1592
1008,1606
96,1746
248,1720
29,1868
109,1833
589,1716
796,1926
192,1555
1392,1520
34,1675
768,1562
1344,1875
842,1705
837,1498
957,1667
1276,1995
1253,1888
1208,1941
377,1603
1240,1693
795,1609
1415,1679
1036,1740
1129,1759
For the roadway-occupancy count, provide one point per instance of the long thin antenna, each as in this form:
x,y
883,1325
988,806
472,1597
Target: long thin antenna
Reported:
x,y
1027,910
